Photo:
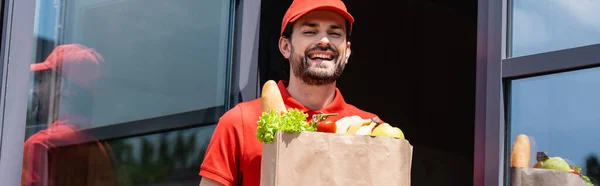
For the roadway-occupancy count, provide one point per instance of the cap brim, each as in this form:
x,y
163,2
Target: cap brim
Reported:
x,y
36,67
345,14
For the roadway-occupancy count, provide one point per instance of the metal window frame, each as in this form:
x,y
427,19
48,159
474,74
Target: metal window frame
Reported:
x,y
495,70
17,33
17,47
247,43
488,156
551,62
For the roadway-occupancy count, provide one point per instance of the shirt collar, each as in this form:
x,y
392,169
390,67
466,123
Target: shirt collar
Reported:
x,y
337,106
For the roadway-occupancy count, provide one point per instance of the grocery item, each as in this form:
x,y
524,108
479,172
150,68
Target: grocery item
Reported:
x,y
343,124
276,118
271,98
366,129
547,170
386,129
372,126
557,163
357,124
543,161
326,126
321,151
521,152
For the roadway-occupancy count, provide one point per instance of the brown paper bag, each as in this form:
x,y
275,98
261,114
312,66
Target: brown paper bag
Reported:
x,y
545,177
315,159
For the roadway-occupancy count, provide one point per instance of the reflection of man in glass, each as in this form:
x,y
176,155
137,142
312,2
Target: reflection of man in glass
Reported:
x,y
63,155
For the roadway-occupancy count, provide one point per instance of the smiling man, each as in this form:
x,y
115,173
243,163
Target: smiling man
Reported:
x,y
314,38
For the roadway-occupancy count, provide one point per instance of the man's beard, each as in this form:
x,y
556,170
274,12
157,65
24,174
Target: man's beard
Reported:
x,y
319,75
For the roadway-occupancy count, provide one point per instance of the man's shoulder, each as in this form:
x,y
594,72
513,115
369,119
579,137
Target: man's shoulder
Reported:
x,y
250,107
254,104
54,132
243,110
40,137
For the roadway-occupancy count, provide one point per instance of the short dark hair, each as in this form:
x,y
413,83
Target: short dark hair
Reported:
x,y
287,32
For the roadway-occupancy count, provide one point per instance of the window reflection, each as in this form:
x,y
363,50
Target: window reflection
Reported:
x,y
66,76
103,69
170,158
559,113
544,26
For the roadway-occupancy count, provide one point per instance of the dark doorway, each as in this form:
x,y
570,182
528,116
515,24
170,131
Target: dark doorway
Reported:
x,y
413,64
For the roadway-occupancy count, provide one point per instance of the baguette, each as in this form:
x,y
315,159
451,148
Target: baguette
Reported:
x,y
521,152
271,98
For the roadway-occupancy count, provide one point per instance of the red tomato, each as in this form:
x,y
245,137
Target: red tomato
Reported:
x,y
326,126
574,171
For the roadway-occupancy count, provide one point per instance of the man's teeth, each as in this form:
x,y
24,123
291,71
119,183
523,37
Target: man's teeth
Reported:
x,y
322,56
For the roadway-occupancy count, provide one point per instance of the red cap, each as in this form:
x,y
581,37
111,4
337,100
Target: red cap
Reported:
x,y
76,62
301,7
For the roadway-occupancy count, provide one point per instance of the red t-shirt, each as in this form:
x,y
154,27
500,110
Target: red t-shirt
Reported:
x,y
56,157
234,153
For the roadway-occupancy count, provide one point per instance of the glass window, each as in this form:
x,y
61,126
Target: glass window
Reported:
x,y
101,65
171,158
560,114
550,25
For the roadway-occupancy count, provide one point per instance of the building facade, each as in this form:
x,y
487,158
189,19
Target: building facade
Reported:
x,y
142,84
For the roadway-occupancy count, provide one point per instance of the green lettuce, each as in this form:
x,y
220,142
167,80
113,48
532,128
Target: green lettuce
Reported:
x,y
271,122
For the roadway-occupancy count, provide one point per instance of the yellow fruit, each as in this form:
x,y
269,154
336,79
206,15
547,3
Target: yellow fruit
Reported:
x,y
556,163
354,127
401,133
366,130
386,129
538,164
343,124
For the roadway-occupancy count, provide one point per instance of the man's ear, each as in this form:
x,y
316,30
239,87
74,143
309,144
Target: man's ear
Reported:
x,y
285,47
348,51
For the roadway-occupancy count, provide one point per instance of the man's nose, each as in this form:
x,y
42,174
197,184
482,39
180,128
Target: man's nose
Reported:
x,y
324,41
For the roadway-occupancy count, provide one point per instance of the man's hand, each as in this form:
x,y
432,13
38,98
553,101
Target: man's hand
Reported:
x,y
209,182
